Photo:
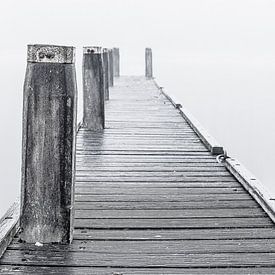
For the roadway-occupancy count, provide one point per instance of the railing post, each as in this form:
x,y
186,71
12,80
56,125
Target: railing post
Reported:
x,y
111,68
93,89
148,63
48,150
106,73
116,61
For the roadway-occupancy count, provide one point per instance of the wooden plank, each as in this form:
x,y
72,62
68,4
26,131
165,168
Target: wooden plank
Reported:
x,y
82,165
156,246
154,179
162,197
149,184
9,225
145,174
152,223
236,204
91,190
169,213
125,259
253,233
18,269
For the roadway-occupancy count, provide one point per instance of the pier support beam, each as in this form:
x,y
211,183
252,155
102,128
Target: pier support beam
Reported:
x,y
116,62
48,151
111,68
148,63
93,89
106,73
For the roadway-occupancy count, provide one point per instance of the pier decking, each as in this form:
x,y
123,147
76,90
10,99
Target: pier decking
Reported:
x,y
151,199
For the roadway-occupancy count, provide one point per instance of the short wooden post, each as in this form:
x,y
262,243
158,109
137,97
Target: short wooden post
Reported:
x,y
48,151
111,68
116,61
93,89
106,73
148,63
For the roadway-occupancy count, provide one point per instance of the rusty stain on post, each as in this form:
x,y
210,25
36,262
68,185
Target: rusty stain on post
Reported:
x,y
48,151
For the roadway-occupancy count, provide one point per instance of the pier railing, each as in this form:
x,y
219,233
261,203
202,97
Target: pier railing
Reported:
x,y
49,136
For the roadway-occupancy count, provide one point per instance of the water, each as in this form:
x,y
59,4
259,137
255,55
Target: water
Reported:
x,y
215,57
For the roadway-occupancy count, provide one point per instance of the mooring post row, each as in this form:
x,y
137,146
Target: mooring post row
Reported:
x,y
93,88
48,148
148,63
116,62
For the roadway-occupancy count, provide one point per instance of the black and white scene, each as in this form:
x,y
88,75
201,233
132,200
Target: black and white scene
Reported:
x,y
137,137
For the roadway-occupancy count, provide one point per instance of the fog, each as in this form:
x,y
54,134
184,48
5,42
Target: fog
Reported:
x,y
215,57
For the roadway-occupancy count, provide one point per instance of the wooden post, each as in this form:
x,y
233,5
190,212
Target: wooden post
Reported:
x,y
116,61
111,68
148,63
48,150
106,73
93,89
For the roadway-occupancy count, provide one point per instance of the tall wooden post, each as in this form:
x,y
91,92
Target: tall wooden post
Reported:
x,y
111,68
48,151
93,89
148,63
106,73
116,61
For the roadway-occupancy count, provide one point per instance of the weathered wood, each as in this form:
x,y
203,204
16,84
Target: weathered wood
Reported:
x,y
49,128
116,58
162,185
169,213
9,225
18,269
93,89
151,199
235,233
210,142
54,258
254,187
147,205
190,181
91,190
153,179
106,72
157,246
180,196
111,67
171,224
148,63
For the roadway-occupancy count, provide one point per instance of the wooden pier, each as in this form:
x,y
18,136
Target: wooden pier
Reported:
x,y
151,198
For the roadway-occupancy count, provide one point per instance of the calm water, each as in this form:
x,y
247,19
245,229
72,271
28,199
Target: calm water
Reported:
x,y
232,96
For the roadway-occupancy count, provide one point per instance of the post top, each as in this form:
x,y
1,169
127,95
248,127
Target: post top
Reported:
x,y
105,50
50,54
93,49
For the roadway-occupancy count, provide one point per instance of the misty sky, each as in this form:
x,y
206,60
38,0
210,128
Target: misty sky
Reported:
x,y
214,56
